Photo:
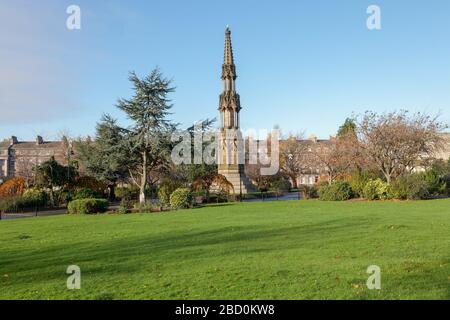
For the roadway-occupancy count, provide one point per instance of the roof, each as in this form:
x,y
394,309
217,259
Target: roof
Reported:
x,y
33,145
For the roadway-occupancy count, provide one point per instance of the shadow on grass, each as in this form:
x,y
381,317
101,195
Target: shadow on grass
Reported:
x,y
189,245
125,255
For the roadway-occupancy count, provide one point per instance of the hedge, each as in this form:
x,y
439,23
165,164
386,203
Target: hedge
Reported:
x,y
181,198
87,206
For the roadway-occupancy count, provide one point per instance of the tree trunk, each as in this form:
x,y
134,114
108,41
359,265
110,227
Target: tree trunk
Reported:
x,y
112,192
294,182
143,179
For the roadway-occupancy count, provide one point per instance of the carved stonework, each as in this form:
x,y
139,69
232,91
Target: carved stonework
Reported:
x,y
231,156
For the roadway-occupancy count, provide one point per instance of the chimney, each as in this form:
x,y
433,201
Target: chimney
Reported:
x,y
313,138
13,140
39,140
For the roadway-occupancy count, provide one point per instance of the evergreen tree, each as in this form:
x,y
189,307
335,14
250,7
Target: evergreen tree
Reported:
x,y
148,138
105,159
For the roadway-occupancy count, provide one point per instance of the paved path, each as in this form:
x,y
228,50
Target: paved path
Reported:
x,y
288,196
9,216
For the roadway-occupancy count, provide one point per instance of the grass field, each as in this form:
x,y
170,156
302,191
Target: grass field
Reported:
x,y
271,250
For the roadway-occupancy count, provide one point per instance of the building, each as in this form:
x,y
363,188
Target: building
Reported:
x,y
230,153
444,154
18,158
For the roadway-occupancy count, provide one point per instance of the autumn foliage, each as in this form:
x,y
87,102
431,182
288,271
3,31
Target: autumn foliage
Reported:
x,y
12,188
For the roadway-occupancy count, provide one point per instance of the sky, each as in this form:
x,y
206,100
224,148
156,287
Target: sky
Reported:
x,y
303,65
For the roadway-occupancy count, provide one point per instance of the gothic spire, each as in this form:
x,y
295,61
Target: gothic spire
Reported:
x,y
228,67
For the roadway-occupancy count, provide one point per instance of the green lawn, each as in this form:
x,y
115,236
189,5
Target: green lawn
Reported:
x,y
270,250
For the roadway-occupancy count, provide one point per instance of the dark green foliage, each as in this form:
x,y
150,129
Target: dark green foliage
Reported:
x,y
358,181
181,198
87,206
148,139
165,189
105,158
86,193
337,191
50,175
410,187
281,185
349,127
128,193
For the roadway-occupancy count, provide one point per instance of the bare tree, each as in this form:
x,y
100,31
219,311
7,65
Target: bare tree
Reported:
x,y
333,156
399,142
293,157
25,168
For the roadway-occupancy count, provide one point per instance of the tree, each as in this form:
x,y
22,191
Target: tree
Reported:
x,y
399,142
50,174
293,158
105,159
148,138
334,157
348,128
25,169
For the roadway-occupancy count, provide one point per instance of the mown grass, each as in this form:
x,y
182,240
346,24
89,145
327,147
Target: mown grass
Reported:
x,y
270,250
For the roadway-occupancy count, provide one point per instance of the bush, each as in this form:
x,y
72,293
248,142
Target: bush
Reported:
x,y
358,181
87,206
308,192
86,193
165,189
181,198
337,191
437,184
281,185
377,189
410,187
13,187
35,197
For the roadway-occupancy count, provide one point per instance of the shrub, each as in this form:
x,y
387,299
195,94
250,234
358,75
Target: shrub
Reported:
x,y
308,192
13,187
436,182
35,197
337,191
85,193
281,185
410,187
358,181
377,189
17,204
181,198
165,189
87,206
123,209
164,193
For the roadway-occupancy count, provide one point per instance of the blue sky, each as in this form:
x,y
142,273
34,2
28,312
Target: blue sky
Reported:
x,y
304,65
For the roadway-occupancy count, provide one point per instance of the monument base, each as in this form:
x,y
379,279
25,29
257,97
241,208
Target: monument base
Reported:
x,y
236,176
